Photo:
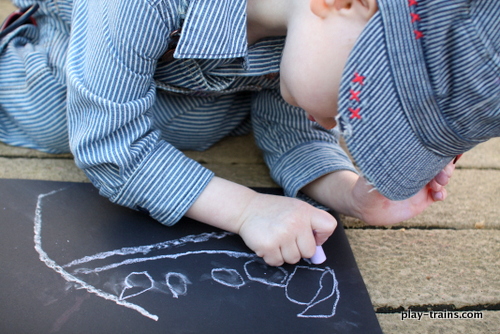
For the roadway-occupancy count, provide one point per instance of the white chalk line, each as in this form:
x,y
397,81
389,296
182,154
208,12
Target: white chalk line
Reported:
x,y
129,285
148,248
309,305
176,292
263,280
67,276
219,277
160,257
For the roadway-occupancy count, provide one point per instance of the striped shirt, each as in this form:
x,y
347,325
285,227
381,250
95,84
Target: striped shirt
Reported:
x,y
91,78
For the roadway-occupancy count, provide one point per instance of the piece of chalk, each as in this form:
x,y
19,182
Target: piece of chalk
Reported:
x,y
319,257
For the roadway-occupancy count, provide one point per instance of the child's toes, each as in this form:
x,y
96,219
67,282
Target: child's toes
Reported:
x,y
442,178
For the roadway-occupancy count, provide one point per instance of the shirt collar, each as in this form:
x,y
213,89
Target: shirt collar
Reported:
x,y
214,30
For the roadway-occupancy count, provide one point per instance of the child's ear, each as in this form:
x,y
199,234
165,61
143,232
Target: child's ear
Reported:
x,y
323,8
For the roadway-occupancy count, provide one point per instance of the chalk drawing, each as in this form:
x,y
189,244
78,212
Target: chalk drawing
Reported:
x,y
321,303
177,284
228,277
260,272
69,277
324,293
136,280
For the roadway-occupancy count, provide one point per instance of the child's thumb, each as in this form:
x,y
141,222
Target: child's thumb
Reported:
x,y
323,225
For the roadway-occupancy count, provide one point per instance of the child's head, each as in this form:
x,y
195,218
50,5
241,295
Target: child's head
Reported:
x,y
420,86
320,36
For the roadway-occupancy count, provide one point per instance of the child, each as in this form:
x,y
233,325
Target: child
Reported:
x,y
126,85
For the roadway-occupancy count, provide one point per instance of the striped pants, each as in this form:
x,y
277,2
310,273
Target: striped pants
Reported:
x,y
33,93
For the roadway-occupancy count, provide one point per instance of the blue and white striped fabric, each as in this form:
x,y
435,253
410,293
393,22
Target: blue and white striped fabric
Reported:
x,y
430,91
103,91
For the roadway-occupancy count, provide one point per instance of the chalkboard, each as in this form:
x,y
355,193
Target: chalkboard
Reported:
x,y
72,262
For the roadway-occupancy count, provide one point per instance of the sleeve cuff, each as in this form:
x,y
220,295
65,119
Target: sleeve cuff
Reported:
x,y
306,163
165,185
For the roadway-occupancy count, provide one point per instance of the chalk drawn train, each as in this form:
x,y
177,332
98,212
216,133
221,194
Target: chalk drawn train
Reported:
x,y
88,272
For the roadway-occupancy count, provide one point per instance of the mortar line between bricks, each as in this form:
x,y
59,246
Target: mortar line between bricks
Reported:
x,y
406,228
476,168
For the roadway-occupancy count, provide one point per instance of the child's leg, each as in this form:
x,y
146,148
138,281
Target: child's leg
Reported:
x,y
32,85
196,123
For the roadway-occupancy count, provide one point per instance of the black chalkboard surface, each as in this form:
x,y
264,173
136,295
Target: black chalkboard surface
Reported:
x,y
72,262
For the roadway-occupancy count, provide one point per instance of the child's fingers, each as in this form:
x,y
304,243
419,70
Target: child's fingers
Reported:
x,y
323,225
291,252
272,257
439,195
438,192
435,186
306,244
442,178
450,168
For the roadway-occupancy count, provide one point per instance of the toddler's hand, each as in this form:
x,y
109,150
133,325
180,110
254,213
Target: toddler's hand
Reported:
x,y
281,229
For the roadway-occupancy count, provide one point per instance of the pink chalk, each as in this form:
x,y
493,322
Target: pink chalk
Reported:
x,y
318,257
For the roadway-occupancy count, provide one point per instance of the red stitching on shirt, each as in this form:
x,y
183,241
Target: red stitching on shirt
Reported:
x,y
418,34
355,113
414,17
358,78
354,95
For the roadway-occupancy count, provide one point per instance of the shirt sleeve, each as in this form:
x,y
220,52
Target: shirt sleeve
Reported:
x,y
112,57
296,150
